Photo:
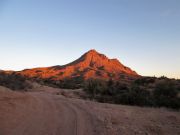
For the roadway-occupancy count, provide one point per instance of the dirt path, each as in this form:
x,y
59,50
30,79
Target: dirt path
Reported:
x,y
46,113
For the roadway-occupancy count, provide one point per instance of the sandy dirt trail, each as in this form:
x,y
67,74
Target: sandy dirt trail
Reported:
x,y
45,114
48,113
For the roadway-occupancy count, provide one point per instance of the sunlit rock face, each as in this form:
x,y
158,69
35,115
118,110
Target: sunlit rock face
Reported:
x,y
90,65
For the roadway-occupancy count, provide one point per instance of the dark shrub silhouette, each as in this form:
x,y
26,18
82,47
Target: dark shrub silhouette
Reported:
x,y
95,87
68,83
145,80
14,81
134,96
149,91
166,94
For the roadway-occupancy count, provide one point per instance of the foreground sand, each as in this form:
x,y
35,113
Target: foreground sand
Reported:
x,y
45,111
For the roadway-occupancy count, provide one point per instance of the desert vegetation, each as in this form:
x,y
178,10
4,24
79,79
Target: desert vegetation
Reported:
x,y
14,81
67,83
146,91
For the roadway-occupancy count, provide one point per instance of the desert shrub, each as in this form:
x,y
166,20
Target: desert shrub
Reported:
x,y
145,80
73,83
121,87
134,96
116,92
38,71
122,76
163,77
110,89
151,91
101,68
92,64
98,73
67,83
166,94
166,89
95,87
115,88
14,81
60,74
111,75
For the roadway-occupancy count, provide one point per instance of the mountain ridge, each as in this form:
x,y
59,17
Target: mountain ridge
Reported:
x,y
92,64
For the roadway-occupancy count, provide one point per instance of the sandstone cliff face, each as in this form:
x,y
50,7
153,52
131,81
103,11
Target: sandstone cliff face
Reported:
x,y
90,65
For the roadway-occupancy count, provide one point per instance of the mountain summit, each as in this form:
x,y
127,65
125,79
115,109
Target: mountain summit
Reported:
x,y
90,65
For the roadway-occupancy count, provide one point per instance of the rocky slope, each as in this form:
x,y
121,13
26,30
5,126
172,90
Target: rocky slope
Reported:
x,y
90,65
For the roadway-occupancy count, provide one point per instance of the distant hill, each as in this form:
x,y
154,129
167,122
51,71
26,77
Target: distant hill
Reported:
x,y
90,65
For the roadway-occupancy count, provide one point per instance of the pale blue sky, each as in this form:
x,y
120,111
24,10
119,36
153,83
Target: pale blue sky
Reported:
x,y
142,34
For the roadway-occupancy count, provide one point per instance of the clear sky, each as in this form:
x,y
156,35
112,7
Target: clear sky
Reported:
x,y
142,34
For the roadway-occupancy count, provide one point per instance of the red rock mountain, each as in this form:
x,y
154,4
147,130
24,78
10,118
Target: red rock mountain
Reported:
x,y
90,65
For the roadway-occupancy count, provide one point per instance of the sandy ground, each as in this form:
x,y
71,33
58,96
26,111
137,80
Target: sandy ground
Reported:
x,y
49,111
